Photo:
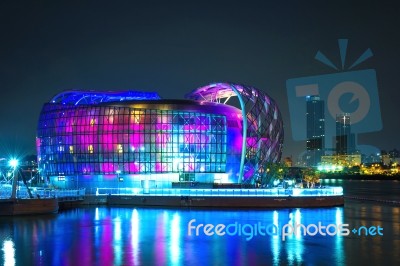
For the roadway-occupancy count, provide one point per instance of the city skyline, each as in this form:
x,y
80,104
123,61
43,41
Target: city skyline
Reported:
x,y
170,48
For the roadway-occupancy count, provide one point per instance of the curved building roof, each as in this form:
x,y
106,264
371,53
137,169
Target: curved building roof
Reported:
x,y
80,97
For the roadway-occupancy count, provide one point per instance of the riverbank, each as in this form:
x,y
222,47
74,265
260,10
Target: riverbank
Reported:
x,y
360,177
363,199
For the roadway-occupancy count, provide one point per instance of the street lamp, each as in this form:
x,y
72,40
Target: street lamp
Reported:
x,y
119,179
14,163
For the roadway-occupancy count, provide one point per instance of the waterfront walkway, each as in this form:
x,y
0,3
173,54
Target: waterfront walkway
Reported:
x,y
225,192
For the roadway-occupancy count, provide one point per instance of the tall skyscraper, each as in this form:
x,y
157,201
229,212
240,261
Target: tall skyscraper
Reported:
x,y
315,129
344,140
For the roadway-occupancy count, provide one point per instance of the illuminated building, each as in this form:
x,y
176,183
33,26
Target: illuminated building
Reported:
x,y
345,140
315,118
100,139
342,160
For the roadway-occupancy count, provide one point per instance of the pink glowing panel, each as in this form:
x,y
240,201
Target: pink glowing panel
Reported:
x,y
133,167
135,140
158,167
106,140
108,168
252,142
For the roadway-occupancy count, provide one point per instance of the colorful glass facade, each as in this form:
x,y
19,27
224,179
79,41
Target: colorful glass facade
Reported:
x,y
102,140
95,137
262,134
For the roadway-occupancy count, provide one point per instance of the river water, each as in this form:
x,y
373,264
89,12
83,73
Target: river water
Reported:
x,y
154,236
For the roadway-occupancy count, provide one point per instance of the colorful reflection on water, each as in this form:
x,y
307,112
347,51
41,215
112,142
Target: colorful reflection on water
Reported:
x,y
150,236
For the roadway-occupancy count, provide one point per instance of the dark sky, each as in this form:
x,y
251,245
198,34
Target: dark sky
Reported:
x,y
174,47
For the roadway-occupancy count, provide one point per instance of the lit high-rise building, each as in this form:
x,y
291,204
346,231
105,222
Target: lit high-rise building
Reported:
x,y
345,140
315,129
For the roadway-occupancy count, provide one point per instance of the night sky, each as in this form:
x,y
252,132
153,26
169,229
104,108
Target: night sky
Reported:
x,y
174,47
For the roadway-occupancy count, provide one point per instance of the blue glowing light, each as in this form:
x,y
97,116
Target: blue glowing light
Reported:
x,y
13,163
96,97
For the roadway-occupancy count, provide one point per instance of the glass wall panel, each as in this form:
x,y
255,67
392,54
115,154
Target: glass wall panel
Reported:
x,y
104,139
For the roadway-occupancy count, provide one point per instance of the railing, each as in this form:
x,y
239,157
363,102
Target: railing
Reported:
x,y
78,194
5,192
274,192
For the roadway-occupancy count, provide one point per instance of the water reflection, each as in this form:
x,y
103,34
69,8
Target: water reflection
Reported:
x,y
396,222
121,236
117,241
338,250
9,253
275,240
296,253
175,235
137,236
134,237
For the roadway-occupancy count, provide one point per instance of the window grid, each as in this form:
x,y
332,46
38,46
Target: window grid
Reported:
x,y
104,139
